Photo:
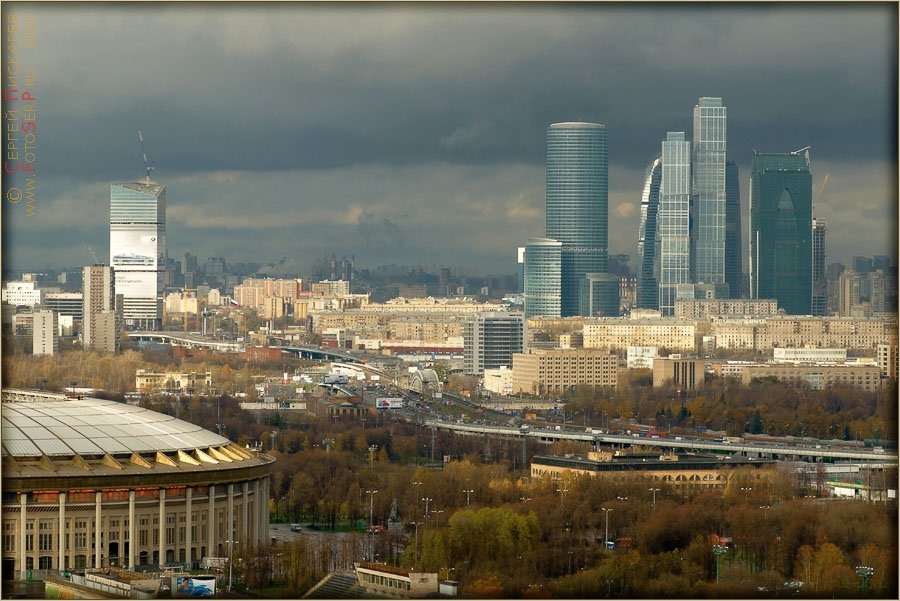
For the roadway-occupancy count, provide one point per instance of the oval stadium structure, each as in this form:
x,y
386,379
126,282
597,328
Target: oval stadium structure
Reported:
x,y
89,483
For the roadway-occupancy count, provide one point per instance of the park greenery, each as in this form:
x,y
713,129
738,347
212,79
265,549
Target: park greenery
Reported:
x,y
463,506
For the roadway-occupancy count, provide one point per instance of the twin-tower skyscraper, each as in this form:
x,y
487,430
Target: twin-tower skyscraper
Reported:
x,y
683,235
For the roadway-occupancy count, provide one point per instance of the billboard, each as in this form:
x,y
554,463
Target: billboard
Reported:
x,y
137,251
195,586
388,403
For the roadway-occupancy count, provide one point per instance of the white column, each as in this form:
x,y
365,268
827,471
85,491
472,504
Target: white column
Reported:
x,y
98,530
132,540
230,513
257,521
211,523
23,518
162,526
245,508
187,528
62,532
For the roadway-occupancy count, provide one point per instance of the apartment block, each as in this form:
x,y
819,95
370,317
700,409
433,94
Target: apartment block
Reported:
x,y
540,371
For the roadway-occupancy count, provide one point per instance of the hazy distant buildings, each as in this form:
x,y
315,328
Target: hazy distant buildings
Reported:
x,y
137,250
491,339
708,188
577,203
647,285
781,230
673,221
543,268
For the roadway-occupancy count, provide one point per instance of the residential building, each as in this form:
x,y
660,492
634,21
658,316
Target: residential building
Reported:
x,y
45,338
781,230
491,339
708,191
809,355
617,334
544,371
887,357
705,308
543,284
137,250
817,376
647,296
640,357
848,292
331,288
577,203
21,294
101,313
673,220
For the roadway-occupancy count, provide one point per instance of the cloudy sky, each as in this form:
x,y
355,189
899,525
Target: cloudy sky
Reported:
x,y
415,133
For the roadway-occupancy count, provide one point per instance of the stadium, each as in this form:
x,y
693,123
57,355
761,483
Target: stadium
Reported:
x,y
90,483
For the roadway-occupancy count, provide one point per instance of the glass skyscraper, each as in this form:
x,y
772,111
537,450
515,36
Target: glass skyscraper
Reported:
x,y
543,265
137,250
781,230
734,274
819,283
577,203
648,287
673,220
708,188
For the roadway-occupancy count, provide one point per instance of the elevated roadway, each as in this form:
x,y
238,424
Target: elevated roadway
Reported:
x,y
801,452
187,340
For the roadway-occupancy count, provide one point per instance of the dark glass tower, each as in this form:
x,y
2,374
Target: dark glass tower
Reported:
x,y
781,230
648,288
577,203
819,284
733,273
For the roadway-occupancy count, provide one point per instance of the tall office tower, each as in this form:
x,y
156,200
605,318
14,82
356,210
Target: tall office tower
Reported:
x,y
862,264
99,330
647,287
543,266
491,339
673,231
734,272
781,230
708,190
45,337
137,250
577,203
819,284
600,295
520,269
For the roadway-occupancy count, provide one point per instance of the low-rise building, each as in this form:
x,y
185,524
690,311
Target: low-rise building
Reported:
x,y
677,335
146,382
498,381
704,308
390,581
684,373
817,376
539,371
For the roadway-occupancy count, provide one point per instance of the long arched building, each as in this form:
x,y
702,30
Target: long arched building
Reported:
x,y
89,483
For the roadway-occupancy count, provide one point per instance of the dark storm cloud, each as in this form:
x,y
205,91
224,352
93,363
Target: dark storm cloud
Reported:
x,y
446,92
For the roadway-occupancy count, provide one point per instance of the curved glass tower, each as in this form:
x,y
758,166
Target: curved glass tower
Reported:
x,y
648,291
542,277
577,203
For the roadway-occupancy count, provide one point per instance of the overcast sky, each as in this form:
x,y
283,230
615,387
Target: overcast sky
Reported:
x,y
415,133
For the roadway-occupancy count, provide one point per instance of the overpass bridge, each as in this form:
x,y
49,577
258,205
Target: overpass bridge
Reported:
x,y
785,451
186,339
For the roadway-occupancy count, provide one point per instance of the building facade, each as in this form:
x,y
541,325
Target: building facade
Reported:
x,y
673,221
543,269
781,230
137,250
600,295
819,283
45,337
559,371
647,296
491,339
704,308
94,484
19,294
618,334
734,264
683,373
708,190
100,317
577,203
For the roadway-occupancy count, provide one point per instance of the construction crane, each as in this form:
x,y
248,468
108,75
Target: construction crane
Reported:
x,y
819,193
147,162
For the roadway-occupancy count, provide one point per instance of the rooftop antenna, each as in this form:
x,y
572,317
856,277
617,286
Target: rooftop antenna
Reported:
x,y
147,161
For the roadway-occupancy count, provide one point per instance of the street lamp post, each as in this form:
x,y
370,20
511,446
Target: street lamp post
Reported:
x,y
718,551
468,492
562,491
654,491
746,490
864,573
371,494
606,534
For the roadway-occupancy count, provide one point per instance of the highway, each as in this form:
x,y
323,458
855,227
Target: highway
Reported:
x,y
748,448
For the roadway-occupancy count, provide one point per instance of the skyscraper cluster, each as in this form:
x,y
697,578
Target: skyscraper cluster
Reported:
x,y
690,237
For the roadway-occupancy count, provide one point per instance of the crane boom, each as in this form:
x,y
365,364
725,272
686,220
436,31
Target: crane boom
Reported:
x,y
821,188
147,162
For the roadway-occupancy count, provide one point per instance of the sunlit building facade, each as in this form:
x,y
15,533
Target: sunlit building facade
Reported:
x,y
673,221
647,286
708,187
543,265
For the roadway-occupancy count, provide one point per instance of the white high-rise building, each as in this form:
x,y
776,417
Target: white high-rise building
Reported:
x,y
137,250
45,338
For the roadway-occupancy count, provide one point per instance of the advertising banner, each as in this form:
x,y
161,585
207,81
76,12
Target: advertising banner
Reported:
x,y
195,586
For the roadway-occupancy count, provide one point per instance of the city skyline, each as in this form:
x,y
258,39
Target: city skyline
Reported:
x,y
405,133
